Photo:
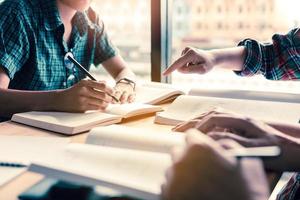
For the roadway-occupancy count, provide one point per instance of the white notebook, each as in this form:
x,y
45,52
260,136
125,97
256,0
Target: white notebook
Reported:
x,y
188,107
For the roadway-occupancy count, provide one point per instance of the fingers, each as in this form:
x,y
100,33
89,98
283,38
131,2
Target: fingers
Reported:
x,y
179,63
193,69
99,95
131,98
241,140
101,86
229,144
89,103
208,146
222,120
124,92
100,105
124,97
185,50
182,127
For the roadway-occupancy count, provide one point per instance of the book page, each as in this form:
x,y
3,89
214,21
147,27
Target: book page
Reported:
x,y
135,138
126,169
25,149
247,94
131,109
156,93
187,107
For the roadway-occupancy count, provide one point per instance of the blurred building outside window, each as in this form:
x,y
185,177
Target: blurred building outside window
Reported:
x,y
204,24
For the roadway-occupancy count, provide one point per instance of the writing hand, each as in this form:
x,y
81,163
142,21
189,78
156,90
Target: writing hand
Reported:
x,y
83,96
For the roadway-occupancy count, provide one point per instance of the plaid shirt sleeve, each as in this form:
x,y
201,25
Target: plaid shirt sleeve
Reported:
x,y
104,49
279,60
14,45
291,189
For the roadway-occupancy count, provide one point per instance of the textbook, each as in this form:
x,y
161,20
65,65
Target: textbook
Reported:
x,y
74,123
132,161
186,107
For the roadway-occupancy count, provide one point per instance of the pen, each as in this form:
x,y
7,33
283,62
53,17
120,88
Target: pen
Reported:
x,y
13,164
86,72
261,152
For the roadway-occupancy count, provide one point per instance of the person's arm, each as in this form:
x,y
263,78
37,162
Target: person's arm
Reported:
x,y
119,70
106,54
276,60
200,61
86,95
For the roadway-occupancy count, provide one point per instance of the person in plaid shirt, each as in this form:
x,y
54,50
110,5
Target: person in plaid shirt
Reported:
x,y
279,60
35,74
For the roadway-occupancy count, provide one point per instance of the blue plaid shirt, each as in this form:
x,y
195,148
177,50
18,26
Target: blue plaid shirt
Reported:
x,y
32,48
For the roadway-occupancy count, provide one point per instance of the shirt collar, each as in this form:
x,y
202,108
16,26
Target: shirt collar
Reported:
x,y
51,15
81,22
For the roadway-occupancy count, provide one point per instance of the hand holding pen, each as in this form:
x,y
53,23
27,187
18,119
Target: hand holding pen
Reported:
x,y
83,96
87,73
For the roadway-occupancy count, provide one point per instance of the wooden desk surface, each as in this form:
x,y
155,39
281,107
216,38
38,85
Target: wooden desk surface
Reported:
x,y
11,190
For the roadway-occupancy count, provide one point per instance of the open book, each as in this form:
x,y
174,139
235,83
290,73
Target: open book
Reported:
x,y
130,160
73,123
246,94
188,107
157,93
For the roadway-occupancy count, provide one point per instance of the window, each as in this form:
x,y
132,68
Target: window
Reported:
x,y
128,25
239,20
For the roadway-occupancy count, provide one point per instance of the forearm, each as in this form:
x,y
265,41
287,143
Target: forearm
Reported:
x,y
14,101
288,160
118,68
229,58
126,72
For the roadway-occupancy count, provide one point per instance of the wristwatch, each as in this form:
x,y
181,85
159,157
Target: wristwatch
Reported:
x,y
127,81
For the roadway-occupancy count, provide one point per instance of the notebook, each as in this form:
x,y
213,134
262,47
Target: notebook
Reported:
x,y
188,107
74,123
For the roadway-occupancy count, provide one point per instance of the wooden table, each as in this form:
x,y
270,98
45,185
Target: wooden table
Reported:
x,y
11,190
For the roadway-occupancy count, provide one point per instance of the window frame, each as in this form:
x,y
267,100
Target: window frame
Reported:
x,y
161,38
